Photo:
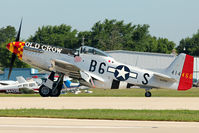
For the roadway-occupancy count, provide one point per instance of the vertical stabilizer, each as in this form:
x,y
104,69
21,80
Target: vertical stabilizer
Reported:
x,y
186,79
181,69
21,79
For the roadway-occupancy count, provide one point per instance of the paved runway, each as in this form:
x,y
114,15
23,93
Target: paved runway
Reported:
x,y
100,103
46,125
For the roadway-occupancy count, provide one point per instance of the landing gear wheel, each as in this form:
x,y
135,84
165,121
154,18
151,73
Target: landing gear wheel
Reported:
x,y
56,93
148,94
44,91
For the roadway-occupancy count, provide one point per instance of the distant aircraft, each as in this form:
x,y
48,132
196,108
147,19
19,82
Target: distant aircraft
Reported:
x,y
95,68
75,88
70,84
9,86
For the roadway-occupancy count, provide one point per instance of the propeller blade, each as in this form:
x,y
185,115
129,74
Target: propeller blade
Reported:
x,y
13,55
19,32
11,64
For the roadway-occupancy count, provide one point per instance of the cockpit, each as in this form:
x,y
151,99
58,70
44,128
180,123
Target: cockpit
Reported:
x,y
91,50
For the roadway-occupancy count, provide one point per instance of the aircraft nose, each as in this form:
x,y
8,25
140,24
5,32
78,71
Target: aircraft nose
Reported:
x,y
16,48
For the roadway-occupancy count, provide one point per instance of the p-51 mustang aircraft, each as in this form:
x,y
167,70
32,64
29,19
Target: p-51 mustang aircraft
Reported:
x,y
94,68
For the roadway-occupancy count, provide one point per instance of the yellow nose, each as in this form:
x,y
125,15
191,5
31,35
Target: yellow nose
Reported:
x,y
16,48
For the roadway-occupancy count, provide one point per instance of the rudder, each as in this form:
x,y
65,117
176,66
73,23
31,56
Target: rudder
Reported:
x,y
186,79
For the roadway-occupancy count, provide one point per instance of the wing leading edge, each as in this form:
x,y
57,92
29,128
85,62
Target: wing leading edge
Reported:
x,y
74,72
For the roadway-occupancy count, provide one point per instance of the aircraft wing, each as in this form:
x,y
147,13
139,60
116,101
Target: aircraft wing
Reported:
x,y
3,83
164,77
7,82
74,72
65,67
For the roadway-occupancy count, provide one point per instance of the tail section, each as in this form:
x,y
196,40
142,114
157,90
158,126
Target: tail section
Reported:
x,y
181,69
186,79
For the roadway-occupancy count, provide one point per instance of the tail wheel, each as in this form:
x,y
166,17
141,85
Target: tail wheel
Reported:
x,y
148,94
44,91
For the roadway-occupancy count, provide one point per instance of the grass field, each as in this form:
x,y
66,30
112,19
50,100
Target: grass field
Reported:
x,y
107,114
110,114
194,92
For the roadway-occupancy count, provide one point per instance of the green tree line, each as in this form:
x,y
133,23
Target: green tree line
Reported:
x,y
189,45
105,35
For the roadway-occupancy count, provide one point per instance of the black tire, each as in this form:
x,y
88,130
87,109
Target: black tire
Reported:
x,y
148,94
55,93
44,91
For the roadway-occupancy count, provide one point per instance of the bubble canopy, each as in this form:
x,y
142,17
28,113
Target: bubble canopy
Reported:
x,y
91,50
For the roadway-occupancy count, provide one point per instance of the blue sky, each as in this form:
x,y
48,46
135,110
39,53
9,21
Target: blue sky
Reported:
x,y
173,19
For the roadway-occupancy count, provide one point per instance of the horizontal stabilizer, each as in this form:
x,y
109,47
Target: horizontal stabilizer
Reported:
x,y
164,77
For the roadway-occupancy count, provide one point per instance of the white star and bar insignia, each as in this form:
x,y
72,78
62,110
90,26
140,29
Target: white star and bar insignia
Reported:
x,y
122,72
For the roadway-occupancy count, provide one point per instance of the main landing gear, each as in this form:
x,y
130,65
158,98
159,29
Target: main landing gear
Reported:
x,y
50,87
